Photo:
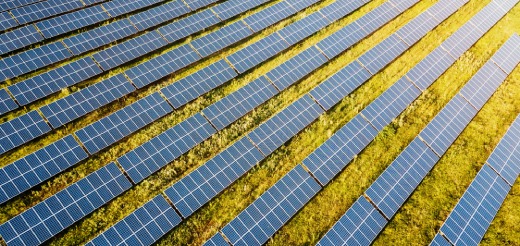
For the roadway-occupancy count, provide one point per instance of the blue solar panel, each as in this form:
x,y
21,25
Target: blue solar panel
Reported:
x,y
358,226
488,16
21,130
6,21
189,25
216,240
284,125
202,81
269,16
376,18
301,4
86,100
237,104
44,9
196,4
439,240
414,30
257,52
197,188
221,38
72,21
6,102
507,56
381,55
39,166
166,147
303,28
11,4
507,5
339,9
44,84
333,155
448,124
123,122
469,220
260,220
443,11
161,66
391,103
341,40
403,5
90,2
430,68
461,40
399,180
483,84
119,7
32,59
339,85
142,227
129,50
505,159
160,14
100,36
232,8
54,214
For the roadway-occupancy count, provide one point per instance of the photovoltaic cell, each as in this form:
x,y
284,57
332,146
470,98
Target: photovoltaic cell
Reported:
x,y
119,7
303,28
232,8
44,9
341,40
237,104
6,102
6,21
44,84
166,147
376,18
72,21
160,14
443,11
505,159
21,130
296,68
260,220
142,227
461,40
339,9
507,56
129,50
488,16
430,68
299,5
257,52
196,4
360,225
221,38
100,36
403,5
54,214
284,125
11,4
332,156
469,220
269,16
86,100
414,30
216,240
202,81
381,55
189,25
161,66
483,84
200,186
39,166
123,122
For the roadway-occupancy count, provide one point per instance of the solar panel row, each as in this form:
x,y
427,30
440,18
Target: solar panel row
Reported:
x,y
22,129
11,4
44,9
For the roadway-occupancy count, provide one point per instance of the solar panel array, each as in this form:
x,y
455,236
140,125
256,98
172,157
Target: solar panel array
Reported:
x,y
21,130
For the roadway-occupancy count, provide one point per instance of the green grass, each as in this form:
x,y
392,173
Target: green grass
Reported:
x,y
418,220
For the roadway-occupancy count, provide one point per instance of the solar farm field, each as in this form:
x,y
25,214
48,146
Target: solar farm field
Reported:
x,y
283,122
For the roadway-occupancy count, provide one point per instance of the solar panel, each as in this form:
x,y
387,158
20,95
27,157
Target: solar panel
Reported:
x,y
358,226
376,18
381,55
439,240
260,220
39,166
483,84
54,214
301,4
119,7
332,156
6,102
161,66
339,85
339,9
123,122
196,4
507,5
442,131
72,21
391,103
488,16
44,9
443,11
189,25
11,4
232,8
507,56
505,158
258,52
84,101
21,130
157,15
204,183
399,180
216,240
461,40
284,125
472,215
341,40
129,50
6,21
142,227
414,30
269,16
100,36
430,68
32,59
237,104
403,5
191,87
296,68
303,28
90,2
166,147
221,38
44,84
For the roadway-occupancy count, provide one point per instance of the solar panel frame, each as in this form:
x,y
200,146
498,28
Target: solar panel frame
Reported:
x,y
7,21
44,9
221,38
71,21
22,129
189,25
6,102
160,14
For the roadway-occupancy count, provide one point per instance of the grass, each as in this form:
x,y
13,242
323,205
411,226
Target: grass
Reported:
x,y
418,220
